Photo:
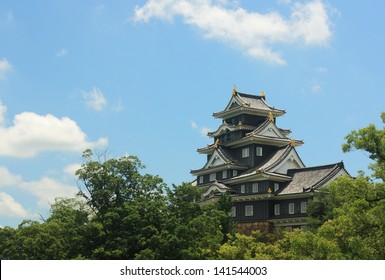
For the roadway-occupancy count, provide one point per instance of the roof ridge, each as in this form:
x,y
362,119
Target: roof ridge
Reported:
x,y
316,167
286,150
249,95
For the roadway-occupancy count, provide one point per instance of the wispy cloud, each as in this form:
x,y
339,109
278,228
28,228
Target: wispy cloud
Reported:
x,y
321,69
315,87
3,110
5,67
202,130
45,189
62,52
94,99
118,106
9,18
255,34
72,168
11,208
31,134
98,9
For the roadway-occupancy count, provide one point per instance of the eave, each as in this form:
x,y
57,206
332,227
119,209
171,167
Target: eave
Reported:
x,y
207,150
293,195
289,221
248,110
252,197
263,140
224,127
257,175
218,168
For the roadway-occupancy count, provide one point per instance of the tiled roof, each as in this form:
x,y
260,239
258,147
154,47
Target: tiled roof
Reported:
x,y
229,127
249,103
257,102
271,162
306,179
226,157
276,158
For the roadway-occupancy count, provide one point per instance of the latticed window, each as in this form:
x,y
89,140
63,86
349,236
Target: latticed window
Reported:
x,y
249,210
259,151
213,177
254,187
303,207
277,209
233,211
276,187
243,188
245,152
291,208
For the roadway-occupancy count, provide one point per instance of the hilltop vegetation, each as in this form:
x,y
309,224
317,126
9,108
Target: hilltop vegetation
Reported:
x,y
122,214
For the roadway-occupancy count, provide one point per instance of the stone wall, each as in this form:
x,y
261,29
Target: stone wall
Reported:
x,y
248,227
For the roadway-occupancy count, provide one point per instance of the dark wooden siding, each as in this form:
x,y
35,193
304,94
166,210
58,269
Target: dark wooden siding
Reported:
x,y
284,208
263,187
260,211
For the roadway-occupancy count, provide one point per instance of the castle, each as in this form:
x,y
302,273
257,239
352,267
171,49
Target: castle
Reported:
x,y
256,162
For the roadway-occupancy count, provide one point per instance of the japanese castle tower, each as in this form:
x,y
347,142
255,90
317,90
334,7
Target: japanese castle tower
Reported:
x,y
257,163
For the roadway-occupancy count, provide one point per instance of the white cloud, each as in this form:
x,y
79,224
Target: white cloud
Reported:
x,y
98,9
3,110
315,87
72,168
321,69
9,18
62,52
5,67
253,33
45,189
32,134
118,106
202,130
7,178
10,208
94,99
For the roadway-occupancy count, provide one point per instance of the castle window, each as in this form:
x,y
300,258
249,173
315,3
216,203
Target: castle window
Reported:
x,y
259,151
213,177
235,173
243,188
276,187
233,212
200,179
303,207
249,210
291,208
254,187
277,209
224,174
245,152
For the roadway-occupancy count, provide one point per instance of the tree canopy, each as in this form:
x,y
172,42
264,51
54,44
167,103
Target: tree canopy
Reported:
x,y
121,213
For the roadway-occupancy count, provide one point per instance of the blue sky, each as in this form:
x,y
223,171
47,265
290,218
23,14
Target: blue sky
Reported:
x,y
144,77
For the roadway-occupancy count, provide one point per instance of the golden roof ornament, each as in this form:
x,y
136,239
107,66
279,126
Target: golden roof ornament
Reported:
x,y
271,117
240,122
292,142
263,93
216,144
269,190
234,90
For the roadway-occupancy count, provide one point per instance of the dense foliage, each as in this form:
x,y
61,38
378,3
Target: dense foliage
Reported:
x,y
123,214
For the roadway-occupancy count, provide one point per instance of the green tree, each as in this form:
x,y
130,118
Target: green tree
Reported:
x,y
129,206
371,140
